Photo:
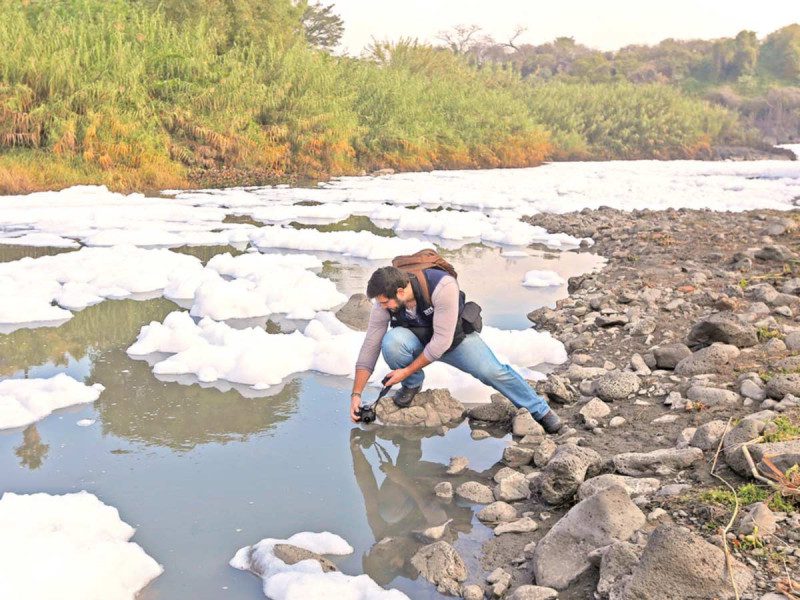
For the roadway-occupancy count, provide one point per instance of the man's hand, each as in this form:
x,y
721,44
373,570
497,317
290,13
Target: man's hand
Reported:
x,y
396,376
355,403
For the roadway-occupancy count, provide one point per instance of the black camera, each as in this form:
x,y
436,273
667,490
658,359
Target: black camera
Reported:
x,y
366,413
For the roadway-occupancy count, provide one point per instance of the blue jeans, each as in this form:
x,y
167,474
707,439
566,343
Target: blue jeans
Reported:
x,y
400,347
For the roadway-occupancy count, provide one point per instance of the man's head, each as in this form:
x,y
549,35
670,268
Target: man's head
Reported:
x,y
390,287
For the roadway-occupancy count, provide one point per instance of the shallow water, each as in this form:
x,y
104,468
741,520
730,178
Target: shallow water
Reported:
x,y
201,472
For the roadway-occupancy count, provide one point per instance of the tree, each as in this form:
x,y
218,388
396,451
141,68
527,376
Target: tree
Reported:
x,y
323,27
780,53
462,38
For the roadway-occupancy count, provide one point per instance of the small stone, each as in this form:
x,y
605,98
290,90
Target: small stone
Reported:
x,y
458,464
479,434
512,488
533,592
656,514
503,473
517,456
617,385
524,424
665,419
444,490
544,452
760,519
472,592
497,512
594,409
616,422
523,525
475,492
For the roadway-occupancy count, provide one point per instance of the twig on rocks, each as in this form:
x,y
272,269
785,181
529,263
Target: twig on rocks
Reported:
x,y
753,470
724,532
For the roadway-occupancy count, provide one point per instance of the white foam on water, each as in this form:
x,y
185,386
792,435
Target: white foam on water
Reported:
x,y
37,240
70,547
49,287
264,285
212,351
542,279
355,244
25,401
305,580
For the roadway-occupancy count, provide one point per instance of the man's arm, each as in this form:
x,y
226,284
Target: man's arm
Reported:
x,y
368,356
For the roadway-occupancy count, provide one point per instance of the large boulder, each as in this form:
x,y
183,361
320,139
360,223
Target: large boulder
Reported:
x,y
657,462
616,385
499,410
355,312
565,472
602,519
429,408
440,564
723,327
714,359
669,355
676,564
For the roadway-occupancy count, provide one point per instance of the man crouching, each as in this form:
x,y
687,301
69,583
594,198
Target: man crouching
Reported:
x,y
422,331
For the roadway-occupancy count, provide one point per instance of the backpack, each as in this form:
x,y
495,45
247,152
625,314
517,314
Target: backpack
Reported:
x,y
415,264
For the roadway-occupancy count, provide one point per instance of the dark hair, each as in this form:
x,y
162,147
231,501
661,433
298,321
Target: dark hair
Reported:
x,y
385,281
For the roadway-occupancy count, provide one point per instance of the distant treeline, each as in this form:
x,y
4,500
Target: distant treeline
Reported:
x,y
760,79
149,94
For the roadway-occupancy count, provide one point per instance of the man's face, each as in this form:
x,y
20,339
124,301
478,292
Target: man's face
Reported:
x,y
392,304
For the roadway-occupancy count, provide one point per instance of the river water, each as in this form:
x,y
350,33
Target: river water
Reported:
x,y
201,472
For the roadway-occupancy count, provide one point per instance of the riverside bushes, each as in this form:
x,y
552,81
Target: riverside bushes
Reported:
x,y
126,94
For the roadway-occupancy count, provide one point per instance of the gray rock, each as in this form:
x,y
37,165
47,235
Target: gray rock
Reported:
x,y
722,327
479,434
523,424
639,365
711,396
557,389
497,512
708,435
780,385
616,422
745,431
523,525
672,490
668,356
565,472
659,462
544,452
617,561
533,592
634,486
443,490
458,464
751,389
759,519
676,564
579,373
472,592
517,456
441,565
499,410
512,488
292,554
685,436
791,286
775,346
792,341
784,455
503,473
429,408
594,409
355,312
714,359
475,492
500,580
617,385
604,518
774,252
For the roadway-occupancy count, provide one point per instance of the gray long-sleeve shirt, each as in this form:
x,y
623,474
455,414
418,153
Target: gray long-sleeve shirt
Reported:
x,y
445,317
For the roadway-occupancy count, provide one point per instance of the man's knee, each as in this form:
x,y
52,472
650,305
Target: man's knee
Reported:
x,y
398,343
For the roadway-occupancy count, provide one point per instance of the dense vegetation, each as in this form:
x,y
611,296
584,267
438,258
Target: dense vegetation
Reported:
x,y
147,94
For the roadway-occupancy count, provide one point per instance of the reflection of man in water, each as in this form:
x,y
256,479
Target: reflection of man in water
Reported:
x,y
403,503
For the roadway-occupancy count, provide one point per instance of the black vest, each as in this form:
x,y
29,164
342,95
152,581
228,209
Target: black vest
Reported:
x,y
422,325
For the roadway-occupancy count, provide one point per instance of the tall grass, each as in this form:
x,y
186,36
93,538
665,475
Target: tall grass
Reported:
x,y
115,92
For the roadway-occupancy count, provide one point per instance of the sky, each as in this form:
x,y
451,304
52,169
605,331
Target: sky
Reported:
x,y
601,24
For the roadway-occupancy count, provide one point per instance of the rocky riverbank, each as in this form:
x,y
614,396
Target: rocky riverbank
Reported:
x,y
682,422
